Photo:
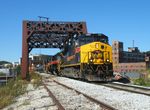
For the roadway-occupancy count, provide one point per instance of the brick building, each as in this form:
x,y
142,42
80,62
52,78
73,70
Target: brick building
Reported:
x,y
127,61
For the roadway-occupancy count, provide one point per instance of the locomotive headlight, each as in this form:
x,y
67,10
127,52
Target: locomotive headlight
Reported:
x,y
91,60
107,60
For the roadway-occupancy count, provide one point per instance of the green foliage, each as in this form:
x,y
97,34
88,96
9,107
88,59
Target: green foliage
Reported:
x,y
18,69
11,90
36,79
17,87
2,74
142,82
148,71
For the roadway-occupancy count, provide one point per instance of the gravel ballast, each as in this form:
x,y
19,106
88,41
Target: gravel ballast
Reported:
x,y
121,100
71,100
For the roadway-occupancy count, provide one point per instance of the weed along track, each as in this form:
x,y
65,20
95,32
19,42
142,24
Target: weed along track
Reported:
x,y
70,99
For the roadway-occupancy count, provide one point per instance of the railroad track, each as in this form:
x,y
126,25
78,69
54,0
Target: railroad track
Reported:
x,y
60,107
50,83
129,88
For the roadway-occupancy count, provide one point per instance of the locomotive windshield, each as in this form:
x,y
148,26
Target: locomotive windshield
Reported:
x,y
85,39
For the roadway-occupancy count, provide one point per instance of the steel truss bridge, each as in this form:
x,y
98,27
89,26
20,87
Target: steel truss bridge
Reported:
x,y
46,34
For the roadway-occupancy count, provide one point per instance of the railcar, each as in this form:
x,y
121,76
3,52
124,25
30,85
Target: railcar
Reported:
x,y
87,57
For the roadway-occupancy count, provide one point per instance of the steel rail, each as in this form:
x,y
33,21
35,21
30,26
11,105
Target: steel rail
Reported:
x,y
60,107
129,88
102,104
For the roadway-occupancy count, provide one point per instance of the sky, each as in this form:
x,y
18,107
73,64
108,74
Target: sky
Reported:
x,y
122,20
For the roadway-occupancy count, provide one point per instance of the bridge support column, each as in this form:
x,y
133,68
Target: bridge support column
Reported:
x,y
24,60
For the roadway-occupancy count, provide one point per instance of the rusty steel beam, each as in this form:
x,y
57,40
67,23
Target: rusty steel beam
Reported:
x,y
46,34
24,59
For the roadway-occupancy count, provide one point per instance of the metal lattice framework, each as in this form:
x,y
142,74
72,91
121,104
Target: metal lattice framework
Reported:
x,y
44,34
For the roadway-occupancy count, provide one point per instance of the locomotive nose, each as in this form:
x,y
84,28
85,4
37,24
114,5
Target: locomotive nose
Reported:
x,y
96,56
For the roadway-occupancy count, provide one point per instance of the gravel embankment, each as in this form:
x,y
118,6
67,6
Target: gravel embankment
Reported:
x,y
118,99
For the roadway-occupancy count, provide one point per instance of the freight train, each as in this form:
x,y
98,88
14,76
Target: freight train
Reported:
x,y
87,57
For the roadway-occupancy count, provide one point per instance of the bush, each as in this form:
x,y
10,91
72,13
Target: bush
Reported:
x,y
140,81
17,70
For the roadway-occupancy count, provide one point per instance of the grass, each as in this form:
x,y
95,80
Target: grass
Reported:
x,y
11,90
15,88
36,79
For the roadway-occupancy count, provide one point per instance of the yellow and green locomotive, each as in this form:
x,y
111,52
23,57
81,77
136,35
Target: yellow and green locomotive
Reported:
x,y
87,57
